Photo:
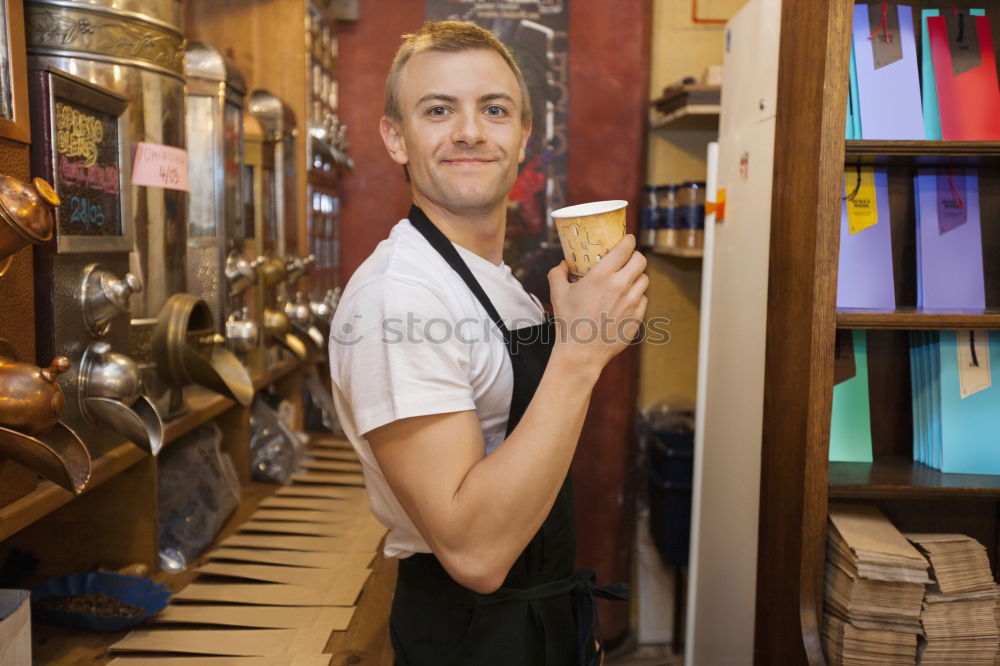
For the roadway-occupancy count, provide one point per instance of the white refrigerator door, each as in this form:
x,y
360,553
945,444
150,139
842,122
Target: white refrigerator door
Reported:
x,y
725,502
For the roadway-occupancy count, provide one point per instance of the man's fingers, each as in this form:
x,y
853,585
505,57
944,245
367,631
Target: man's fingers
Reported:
x,y
635,265
559,276
637,289
616,257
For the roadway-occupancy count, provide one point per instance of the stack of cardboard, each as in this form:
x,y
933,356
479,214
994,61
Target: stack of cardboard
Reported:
x,y
874,589
958,618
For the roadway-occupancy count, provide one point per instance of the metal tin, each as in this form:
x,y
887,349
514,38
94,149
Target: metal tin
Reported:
x,y
214,123
134,48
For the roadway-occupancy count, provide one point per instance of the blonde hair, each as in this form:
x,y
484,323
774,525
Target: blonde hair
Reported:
x,y
448,36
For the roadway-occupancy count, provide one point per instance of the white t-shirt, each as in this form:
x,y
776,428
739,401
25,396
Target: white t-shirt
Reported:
x,y
410,339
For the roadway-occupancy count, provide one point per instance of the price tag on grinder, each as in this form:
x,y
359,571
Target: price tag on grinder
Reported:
x,y
156,165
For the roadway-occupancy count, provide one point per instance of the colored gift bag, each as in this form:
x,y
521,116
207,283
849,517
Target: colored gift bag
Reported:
x,y
965,73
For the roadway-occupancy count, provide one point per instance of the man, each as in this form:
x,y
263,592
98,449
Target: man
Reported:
x,y
463,401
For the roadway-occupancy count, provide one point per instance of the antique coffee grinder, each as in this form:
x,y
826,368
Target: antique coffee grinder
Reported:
x,y
83,287
31,400
269,143
219,268
135,48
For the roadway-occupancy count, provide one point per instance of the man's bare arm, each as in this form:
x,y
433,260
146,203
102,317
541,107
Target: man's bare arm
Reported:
x,y
478,512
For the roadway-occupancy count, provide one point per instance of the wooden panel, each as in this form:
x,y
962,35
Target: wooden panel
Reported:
x,y
235,427
890,395
113,526
808,176
17,287
48,496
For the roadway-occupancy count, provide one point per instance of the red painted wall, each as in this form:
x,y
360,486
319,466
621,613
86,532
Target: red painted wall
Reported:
x,y
608,91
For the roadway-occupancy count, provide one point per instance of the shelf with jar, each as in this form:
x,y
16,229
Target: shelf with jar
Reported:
x,y
673,219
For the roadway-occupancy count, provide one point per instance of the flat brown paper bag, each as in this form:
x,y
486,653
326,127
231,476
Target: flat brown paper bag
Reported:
x,y
274,574
329,492
285,660
334,478
333,465
284,527
334,618
866,529
231,642
306,543
294,558
331,443
343,591
312,503
335,517
332,454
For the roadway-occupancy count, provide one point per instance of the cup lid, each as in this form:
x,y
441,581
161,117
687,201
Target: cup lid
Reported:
x,y
28,208
591,208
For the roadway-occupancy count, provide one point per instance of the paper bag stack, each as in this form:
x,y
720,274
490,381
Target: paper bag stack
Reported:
x,y
272,593
958,618
874,589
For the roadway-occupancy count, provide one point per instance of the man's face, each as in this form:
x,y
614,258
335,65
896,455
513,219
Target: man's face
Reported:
x,y
461,135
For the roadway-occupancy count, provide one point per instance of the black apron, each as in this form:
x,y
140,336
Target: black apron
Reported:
x,y
544,614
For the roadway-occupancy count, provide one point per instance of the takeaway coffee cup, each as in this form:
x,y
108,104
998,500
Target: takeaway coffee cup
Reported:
x,y
588,231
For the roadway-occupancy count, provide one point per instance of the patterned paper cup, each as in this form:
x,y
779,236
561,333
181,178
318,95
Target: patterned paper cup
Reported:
x,y
588,231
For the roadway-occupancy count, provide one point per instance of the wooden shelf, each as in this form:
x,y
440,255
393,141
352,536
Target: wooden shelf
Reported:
x,y
692,117
687,252
902,478
202,406
48,497
277,371
919,319
922,153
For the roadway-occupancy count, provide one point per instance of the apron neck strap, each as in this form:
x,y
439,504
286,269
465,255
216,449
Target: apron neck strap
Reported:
x,y
447,250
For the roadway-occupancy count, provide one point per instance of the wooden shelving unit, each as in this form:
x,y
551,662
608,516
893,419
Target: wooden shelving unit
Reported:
x,y
797,481
704,117
912,318
903,478
686,252
48,496
122,485
922,153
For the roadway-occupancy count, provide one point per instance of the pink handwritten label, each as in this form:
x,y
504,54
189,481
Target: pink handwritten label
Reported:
x,y
102,178
160,166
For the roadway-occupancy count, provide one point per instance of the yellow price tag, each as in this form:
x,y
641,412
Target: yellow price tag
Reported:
x,y
862,211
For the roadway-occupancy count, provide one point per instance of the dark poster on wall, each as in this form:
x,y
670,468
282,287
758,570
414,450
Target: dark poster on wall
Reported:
x,y
536,33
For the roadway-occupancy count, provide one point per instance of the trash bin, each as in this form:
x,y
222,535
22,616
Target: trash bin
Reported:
x,y
669,444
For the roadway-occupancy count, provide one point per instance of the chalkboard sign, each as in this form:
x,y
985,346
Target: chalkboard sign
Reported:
x,y
88,174
84,154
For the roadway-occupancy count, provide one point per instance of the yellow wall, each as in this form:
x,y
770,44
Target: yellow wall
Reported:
x,y
680,48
